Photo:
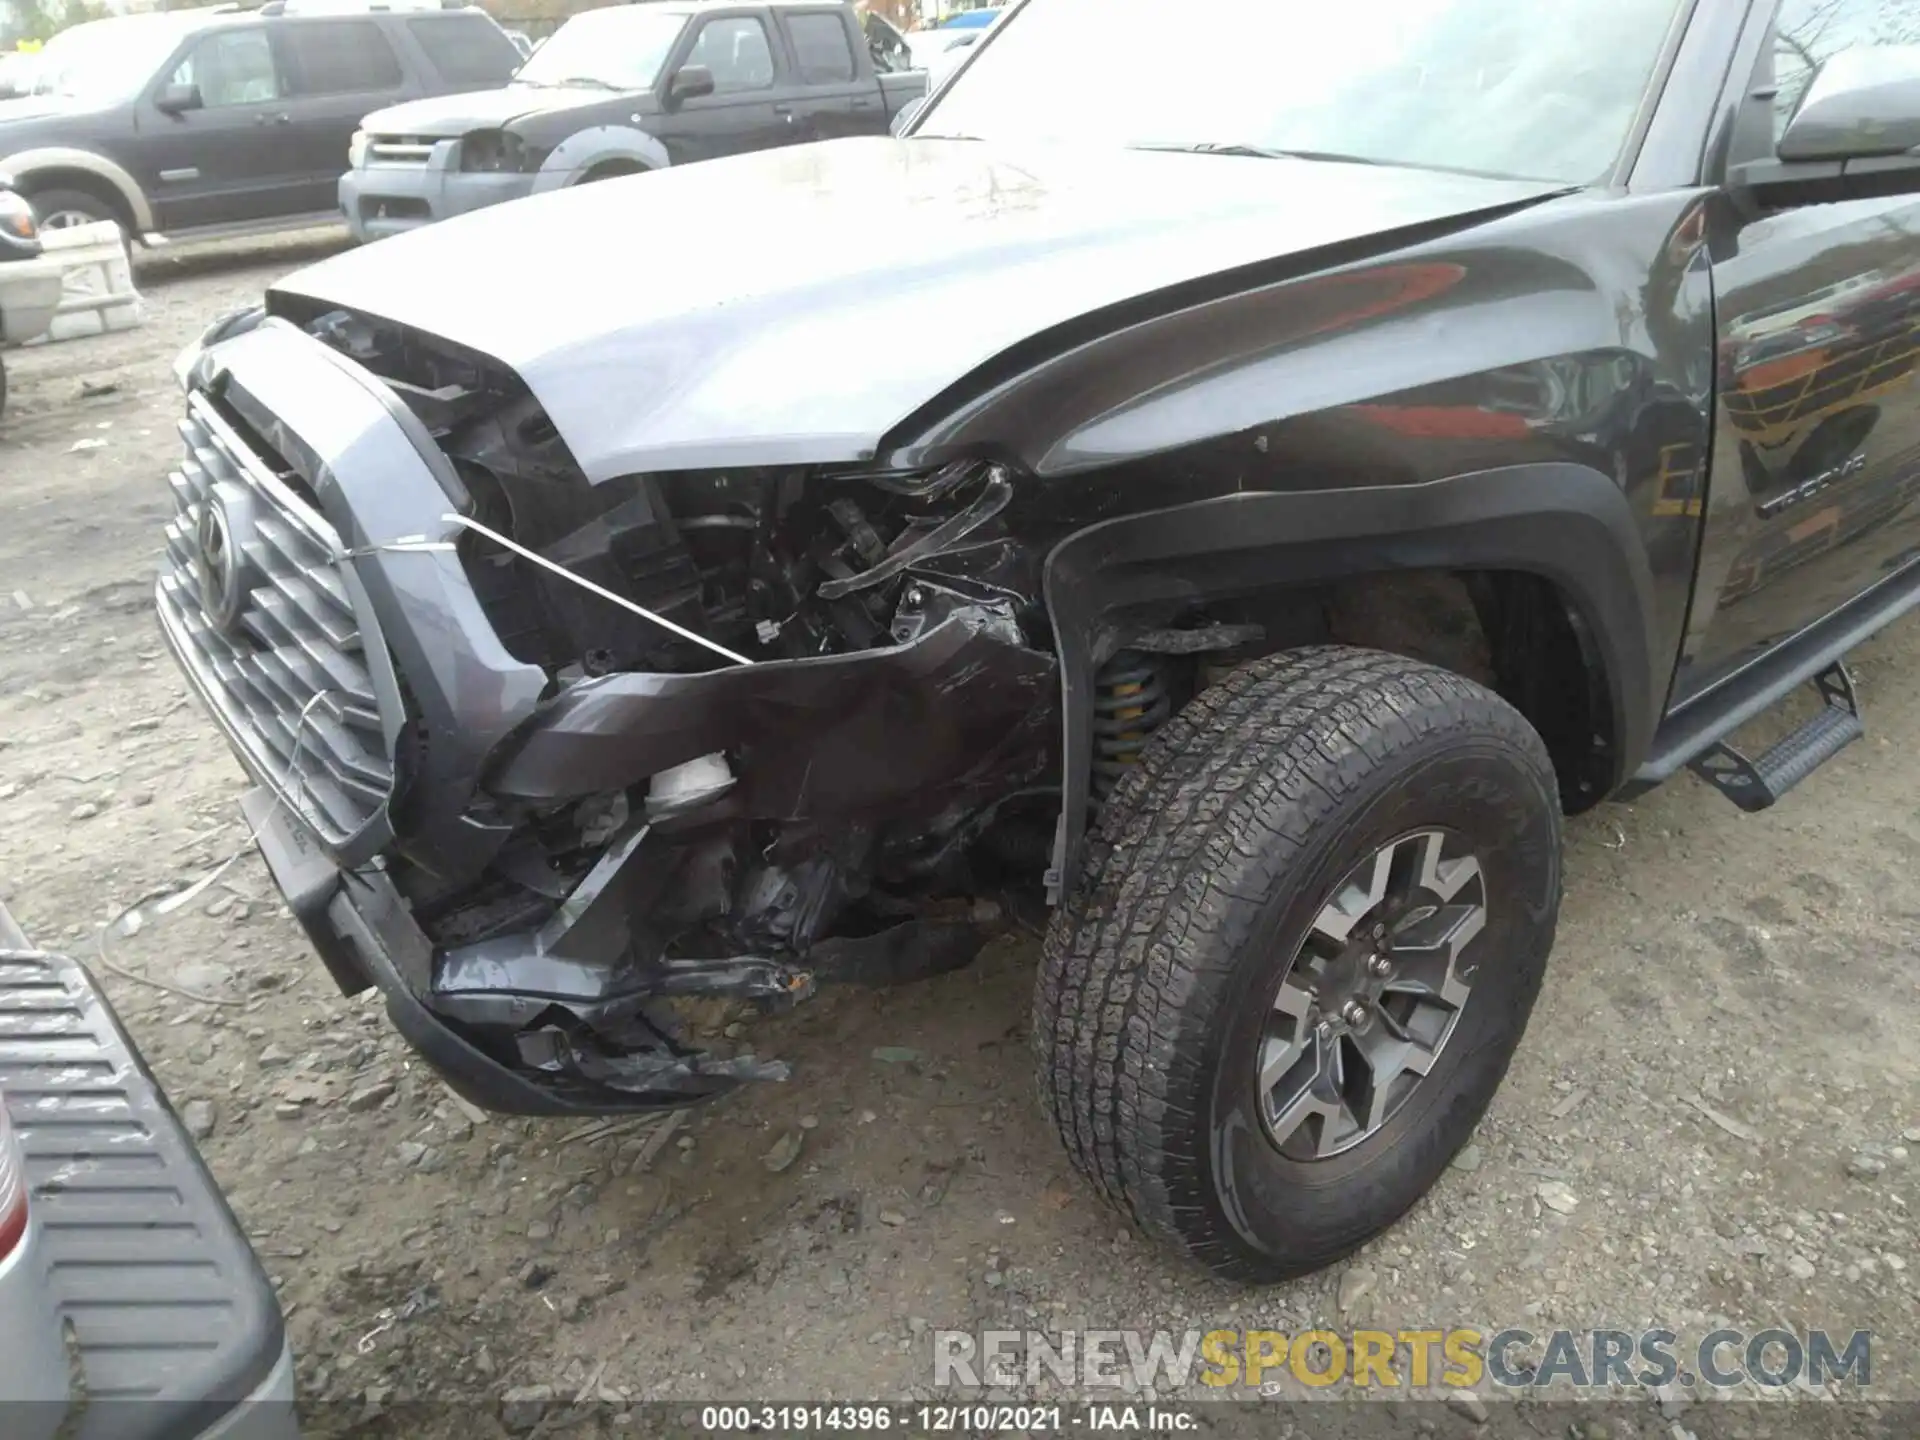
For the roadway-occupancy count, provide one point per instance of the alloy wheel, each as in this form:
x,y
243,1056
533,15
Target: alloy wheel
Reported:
x,y
66,219
1372,995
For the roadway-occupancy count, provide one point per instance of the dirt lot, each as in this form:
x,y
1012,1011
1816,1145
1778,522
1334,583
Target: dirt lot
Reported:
x,y
1719,1075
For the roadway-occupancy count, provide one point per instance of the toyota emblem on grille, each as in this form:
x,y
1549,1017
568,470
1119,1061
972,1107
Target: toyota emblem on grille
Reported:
x,y
218,566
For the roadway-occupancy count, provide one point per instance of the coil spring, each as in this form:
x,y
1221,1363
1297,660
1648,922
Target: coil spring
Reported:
x,y
1130,702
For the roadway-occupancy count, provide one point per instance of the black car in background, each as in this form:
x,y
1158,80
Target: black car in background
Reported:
x,y
218,121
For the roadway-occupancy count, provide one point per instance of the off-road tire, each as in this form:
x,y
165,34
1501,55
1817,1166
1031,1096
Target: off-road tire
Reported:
x,y
1206,867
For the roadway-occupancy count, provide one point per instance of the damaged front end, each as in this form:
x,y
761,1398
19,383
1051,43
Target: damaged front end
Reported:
x,y
545,759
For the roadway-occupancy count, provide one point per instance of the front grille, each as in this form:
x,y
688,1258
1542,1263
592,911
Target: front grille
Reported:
x,y
400,149
278,651
393,207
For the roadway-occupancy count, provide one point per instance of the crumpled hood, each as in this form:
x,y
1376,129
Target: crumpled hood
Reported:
x,y
792,306
441,117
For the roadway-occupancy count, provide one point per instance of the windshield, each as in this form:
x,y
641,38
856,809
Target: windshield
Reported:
x,y
620,48
1536,90
106,59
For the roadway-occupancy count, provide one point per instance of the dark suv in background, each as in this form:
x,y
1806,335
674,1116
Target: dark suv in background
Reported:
x,y
219,121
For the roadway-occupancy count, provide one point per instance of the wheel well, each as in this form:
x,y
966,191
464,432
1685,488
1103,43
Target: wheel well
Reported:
x,y
1512,631
607,169
39,181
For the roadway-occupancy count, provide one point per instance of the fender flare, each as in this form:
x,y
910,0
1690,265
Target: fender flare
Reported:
x,y
584,149
24,164
1567,523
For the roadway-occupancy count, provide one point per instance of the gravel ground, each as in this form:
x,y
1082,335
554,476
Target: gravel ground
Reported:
x,y
1709,1123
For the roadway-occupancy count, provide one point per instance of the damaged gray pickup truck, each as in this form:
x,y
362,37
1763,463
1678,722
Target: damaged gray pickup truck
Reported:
x,y
1251,519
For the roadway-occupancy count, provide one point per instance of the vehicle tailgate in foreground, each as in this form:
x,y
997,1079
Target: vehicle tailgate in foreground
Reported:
x,y
178,1332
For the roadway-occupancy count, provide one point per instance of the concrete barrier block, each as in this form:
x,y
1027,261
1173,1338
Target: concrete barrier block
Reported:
x,y
96,282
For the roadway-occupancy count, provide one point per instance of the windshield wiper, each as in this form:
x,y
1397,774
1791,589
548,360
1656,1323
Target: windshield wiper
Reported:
x,y
1256,152
591,80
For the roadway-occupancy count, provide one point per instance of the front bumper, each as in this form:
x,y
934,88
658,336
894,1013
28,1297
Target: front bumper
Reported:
x,y
454,744
135,1246
364,934
379,200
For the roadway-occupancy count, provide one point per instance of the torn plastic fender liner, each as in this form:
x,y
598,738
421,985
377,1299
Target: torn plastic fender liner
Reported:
x,y
897,729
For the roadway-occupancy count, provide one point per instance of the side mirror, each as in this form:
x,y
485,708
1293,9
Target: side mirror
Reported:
x,y
690,82
176,99
906,115
1864,102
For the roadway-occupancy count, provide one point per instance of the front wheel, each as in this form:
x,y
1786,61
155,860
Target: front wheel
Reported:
x,y
67,209
1304,947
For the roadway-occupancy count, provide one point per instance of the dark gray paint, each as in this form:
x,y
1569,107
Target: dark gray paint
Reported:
x,y
1207,375
753,353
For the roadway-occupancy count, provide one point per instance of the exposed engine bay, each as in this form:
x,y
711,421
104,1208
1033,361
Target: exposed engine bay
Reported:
x,y
769,564
828,821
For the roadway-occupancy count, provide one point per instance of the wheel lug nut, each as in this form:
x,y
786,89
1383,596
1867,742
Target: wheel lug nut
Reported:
x,y
1354,1013
1379,965
1324,1030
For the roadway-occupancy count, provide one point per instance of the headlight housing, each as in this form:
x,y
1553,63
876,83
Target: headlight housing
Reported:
x,y
493,152
357,150
16,217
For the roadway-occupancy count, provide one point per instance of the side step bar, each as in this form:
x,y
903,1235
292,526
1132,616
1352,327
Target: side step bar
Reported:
x,y
1697,729
1756,784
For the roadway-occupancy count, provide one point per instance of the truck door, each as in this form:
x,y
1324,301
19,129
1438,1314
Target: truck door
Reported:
x,y
834,96
216,162
741,114
338,72
1816,450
